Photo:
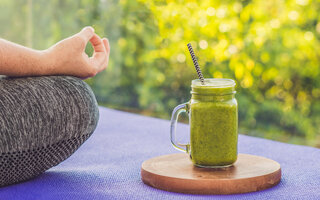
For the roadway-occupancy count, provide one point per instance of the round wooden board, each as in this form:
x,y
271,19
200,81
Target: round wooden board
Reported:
x,y
176,173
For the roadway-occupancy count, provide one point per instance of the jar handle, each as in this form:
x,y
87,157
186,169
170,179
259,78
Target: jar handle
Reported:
x,y
174,119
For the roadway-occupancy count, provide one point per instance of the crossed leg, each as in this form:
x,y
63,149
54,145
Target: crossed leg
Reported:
x,y
43,120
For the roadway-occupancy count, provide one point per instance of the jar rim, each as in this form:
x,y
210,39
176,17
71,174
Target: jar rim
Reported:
x,y
214,83
213,87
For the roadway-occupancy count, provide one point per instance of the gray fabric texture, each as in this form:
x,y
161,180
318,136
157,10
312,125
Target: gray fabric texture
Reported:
x,y
43,120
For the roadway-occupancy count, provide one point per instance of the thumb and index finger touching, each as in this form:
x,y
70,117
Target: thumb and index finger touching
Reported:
x,y
101,46
86,33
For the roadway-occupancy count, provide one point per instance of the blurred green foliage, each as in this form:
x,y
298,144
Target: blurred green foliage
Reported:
x,y
271,48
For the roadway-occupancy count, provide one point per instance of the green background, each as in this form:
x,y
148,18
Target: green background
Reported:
x,y
271,48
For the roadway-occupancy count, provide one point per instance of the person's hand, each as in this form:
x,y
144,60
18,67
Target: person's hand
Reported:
x,y
68,56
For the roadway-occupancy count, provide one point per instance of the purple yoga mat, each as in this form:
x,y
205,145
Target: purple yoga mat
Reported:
x,y
107,166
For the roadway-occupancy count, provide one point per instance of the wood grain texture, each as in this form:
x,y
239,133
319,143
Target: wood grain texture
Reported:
x,y
176,173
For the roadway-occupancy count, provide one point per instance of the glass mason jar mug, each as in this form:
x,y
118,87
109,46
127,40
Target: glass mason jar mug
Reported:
x,y
213,119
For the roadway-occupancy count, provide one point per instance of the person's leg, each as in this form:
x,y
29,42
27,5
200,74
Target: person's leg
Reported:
x,y
43,120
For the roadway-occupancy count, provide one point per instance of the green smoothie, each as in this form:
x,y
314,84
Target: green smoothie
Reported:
x,y
213,123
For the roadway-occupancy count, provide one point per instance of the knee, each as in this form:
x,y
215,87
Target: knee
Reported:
x,y
43,120
79,104
46,110
79,113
